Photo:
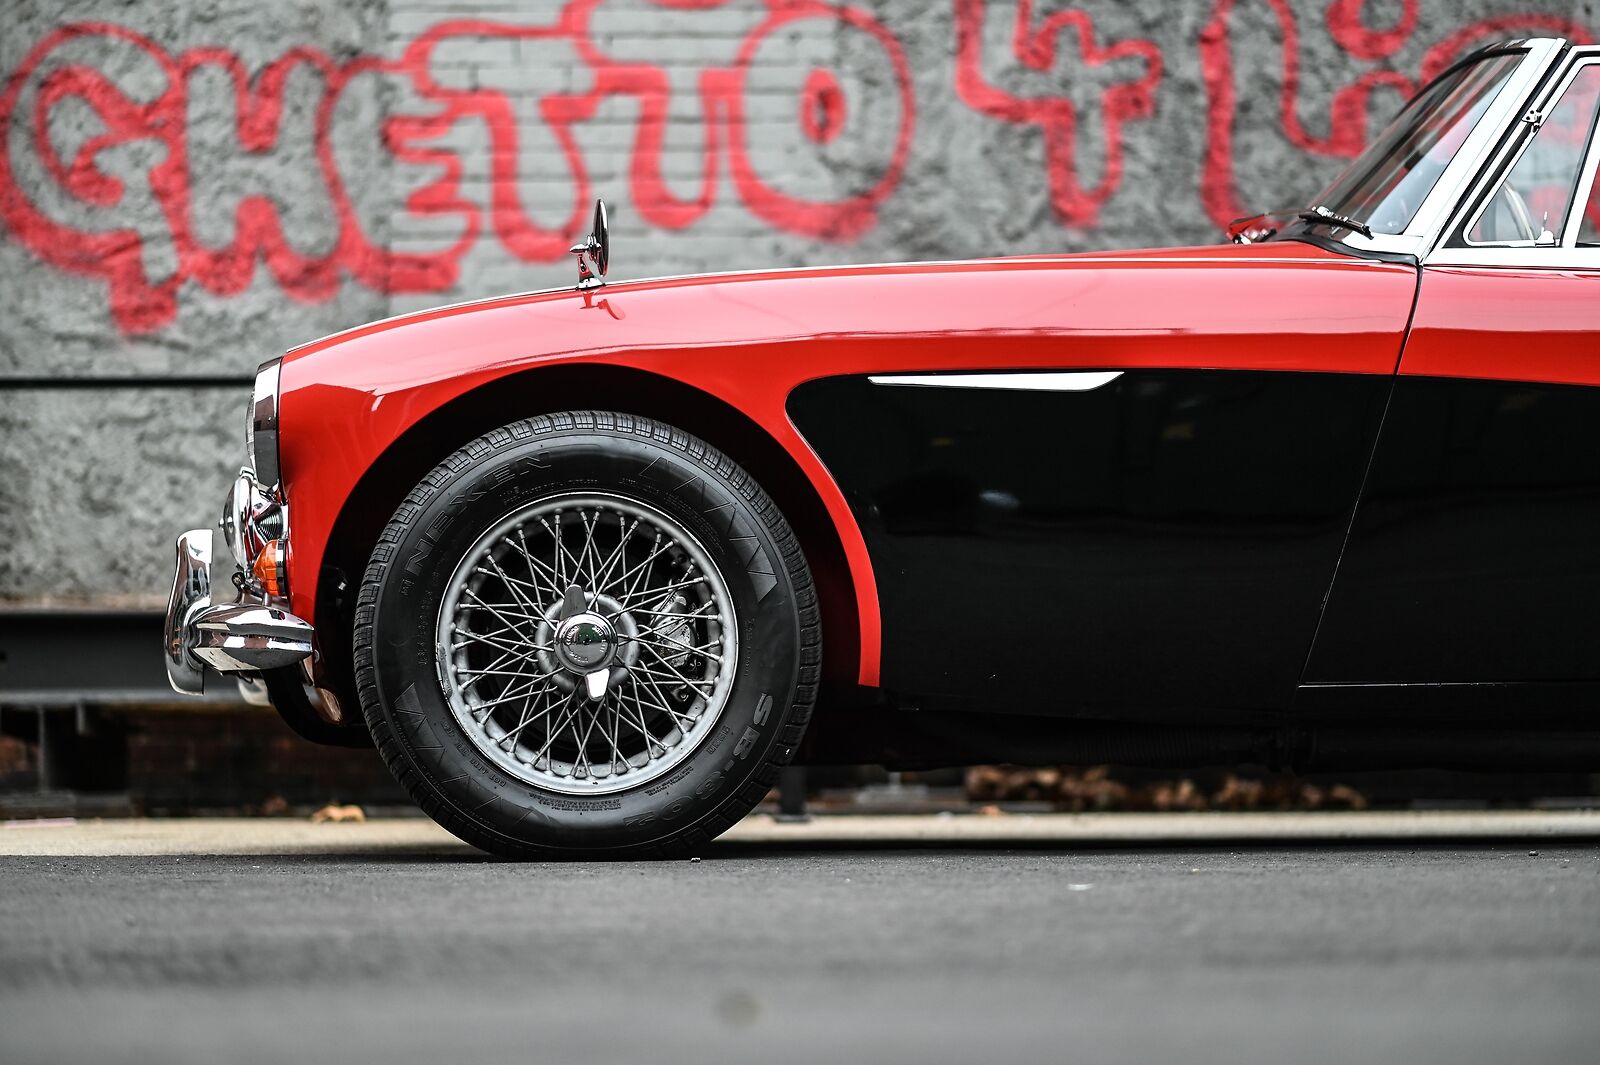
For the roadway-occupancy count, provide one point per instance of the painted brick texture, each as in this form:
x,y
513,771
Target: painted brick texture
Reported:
x,y
188,188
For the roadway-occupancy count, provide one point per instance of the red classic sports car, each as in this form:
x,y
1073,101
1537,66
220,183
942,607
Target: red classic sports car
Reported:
x,y
588,566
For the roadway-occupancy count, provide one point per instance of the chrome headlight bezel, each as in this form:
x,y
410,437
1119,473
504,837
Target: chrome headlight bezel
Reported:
x,y
261,426
252,516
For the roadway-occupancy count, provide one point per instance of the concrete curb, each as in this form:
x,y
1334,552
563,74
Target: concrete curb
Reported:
x,y
418,836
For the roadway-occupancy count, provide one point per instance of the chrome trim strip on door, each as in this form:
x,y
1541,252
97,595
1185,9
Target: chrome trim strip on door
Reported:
x,y
1569,235
1064,381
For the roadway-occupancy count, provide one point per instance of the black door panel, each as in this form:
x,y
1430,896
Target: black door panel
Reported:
x,y
1476,552
1159,546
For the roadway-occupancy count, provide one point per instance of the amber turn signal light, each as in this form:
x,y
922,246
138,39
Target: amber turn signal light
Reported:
x,y
268,568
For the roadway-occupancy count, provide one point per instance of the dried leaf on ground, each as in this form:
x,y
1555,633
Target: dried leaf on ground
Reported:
x,y
336,813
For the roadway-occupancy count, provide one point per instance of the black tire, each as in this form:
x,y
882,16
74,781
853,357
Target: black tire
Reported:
x,y
397,648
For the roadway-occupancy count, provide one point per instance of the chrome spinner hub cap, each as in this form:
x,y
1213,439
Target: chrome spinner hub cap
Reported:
x,y
585,642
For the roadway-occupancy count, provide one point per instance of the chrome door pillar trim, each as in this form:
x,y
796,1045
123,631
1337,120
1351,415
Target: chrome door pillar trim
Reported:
x,y
1495,164
1465,172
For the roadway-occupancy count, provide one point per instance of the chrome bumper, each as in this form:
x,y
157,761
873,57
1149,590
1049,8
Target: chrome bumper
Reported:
x,y
243,635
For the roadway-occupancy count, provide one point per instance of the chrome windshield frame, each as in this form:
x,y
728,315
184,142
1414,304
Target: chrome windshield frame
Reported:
x,y
1424,230
1564,254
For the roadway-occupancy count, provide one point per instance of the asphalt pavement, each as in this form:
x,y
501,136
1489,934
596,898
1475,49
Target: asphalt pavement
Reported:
x,y
388,942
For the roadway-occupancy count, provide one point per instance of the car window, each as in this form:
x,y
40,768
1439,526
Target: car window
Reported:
x,y
1532,202
1386,184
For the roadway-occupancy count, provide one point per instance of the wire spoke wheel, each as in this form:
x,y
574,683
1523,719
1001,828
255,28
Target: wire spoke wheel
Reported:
x,y
587,644
587,634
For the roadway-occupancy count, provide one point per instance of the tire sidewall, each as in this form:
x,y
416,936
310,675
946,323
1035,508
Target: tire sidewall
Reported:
x,y
477,494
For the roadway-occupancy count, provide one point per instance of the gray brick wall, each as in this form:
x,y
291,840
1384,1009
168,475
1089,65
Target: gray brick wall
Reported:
x,y
189,188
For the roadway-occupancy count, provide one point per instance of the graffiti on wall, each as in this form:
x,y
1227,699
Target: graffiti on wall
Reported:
x,y
1128,93
69,200
410,136
1344,112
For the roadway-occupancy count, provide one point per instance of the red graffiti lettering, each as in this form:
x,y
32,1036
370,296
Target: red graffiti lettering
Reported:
x,y
822,107
1123,96
116,251
88,208
1348,105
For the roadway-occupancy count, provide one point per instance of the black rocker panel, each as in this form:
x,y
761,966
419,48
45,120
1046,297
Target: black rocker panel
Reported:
x,y
1159,546
1475,554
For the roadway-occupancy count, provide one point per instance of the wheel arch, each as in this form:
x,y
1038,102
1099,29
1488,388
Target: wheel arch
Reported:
x,y
546,390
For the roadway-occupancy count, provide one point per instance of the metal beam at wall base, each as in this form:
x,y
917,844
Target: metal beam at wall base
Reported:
x,y
67,658
21,382
64,675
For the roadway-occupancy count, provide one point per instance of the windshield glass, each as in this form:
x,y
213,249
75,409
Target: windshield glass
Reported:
x,y
1387,183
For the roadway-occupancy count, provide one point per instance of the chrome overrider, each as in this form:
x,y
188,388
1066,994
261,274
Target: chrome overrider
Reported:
x,y
239,628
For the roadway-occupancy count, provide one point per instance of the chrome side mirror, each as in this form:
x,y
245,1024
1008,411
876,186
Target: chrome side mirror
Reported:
x,y
595,250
